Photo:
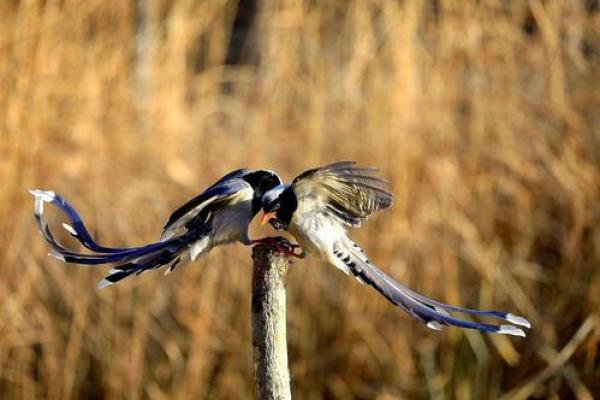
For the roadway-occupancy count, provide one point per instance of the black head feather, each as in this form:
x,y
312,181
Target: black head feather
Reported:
x,y
282,200
261,181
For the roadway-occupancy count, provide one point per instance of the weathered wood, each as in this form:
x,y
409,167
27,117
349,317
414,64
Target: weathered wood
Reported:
x,y
272,375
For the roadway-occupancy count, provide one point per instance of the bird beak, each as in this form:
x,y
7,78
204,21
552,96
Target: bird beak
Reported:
x,y
267,217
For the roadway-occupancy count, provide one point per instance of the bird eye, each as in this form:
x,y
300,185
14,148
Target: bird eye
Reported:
x,y
276,206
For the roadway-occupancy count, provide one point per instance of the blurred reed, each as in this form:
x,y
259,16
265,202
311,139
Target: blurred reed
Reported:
x,y
484,115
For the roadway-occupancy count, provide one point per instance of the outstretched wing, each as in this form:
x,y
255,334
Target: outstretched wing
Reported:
x,y
222,191
348,192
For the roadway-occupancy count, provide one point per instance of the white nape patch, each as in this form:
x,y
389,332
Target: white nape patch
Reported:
x,y
436,326
104,283
515,319
198,247
69,229
57,255
511,330
273,194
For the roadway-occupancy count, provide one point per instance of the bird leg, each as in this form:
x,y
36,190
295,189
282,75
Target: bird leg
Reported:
x,y
281,245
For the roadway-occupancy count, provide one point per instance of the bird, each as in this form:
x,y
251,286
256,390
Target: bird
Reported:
x,y
319,206
219,215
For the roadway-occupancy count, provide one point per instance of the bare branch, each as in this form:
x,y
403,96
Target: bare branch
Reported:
x,y
269,323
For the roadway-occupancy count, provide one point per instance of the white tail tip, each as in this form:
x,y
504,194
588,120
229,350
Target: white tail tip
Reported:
x,y
104,283
46,195
436,326
515,319
57,255
69,229
511,330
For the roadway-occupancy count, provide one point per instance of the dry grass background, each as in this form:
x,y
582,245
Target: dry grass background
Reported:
x,y
484,115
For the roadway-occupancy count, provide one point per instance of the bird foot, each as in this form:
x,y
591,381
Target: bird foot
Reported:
x,y
280,244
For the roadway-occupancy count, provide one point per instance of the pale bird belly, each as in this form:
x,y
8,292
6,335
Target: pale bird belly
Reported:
x,y
315,234
232,224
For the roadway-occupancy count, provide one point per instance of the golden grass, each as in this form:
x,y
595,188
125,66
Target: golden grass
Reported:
x,y
484,115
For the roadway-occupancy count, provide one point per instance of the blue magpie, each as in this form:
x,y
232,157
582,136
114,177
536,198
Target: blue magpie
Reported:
x,y
219,215
318,207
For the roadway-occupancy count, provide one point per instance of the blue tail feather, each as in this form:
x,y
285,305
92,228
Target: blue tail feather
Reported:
x,y
76,227
482,313
130,260
431,312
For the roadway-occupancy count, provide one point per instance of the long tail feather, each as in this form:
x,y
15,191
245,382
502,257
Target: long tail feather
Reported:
x,y
509,317
121,257
167,257
431,312
78,230
129,260
75,227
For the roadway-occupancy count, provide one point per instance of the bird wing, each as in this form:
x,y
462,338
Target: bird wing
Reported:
x,y
347,192
169,251
223,191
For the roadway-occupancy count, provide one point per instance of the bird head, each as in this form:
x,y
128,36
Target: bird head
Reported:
x,y
278,206
261,181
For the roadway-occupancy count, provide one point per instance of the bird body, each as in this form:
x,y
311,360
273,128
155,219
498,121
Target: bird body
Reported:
x,y
317,235
317,208
229,225
220,215
320,205
232,223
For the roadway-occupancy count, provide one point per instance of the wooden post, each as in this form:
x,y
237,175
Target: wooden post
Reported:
x,y
271,371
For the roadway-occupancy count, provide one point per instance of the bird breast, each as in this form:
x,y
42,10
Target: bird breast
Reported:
x,y
231,223
315,232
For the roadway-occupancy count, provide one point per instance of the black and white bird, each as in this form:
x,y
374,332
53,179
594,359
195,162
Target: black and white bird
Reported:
x,y
219,215
320,205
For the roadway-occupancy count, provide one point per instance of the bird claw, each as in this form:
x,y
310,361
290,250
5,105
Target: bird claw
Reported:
x,y
280,244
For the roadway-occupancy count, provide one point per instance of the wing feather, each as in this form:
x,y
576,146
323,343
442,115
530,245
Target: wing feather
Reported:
x,y
222,191
348,192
